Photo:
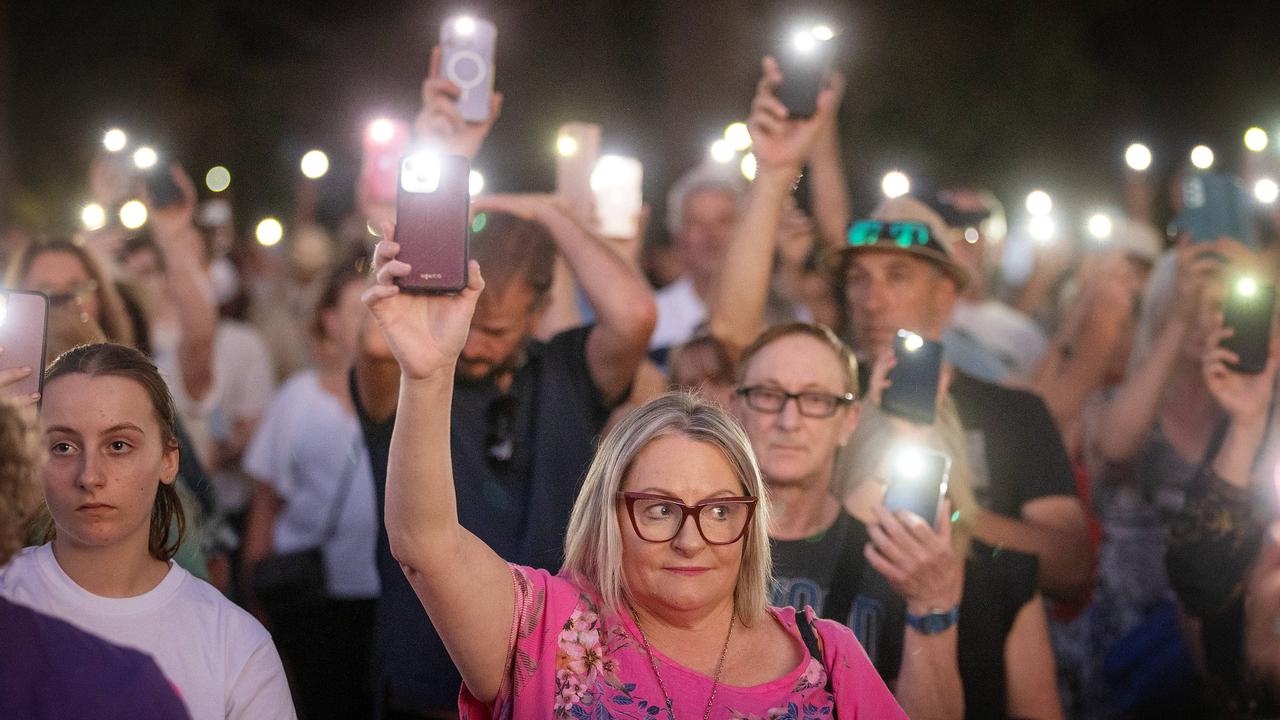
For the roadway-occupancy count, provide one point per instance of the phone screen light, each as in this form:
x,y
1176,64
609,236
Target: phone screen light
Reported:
x,y
908,463
1255,138
382,130
114,140
133,214
895,184
93,216
1100,226
1266,190
1246,287
465,25
567,145
145,158
738,136
269,232
217,179
475,183
1138,157
315,164
1202,157
1039,203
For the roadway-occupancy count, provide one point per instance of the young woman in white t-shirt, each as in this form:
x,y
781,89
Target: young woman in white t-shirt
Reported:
x,y
116,521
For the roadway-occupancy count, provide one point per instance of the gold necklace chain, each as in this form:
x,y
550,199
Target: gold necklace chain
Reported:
x,y
715,681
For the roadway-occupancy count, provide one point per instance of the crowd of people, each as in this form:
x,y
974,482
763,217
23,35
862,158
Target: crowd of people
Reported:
x,y
586,486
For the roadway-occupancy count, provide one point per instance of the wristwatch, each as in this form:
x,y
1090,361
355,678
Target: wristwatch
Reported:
x,y
935,621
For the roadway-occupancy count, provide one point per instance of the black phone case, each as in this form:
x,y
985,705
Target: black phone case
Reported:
x,y
1250,318
164,191
24,335
433,229
921,494
913,390
802,79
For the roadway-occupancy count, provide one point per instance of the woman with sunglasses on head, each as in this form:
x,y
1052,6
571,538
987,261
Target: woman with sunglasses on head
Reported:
x,y
115,522
660,609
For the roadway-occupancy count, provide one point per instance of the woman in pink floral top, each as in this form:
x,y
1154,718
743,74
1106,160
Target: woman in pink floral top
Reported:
x,y
661,608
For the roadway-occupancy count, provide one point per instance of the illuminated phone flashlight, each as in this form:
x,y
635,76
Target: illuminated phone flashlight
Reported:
x,y
314,164
133,214
145,158
217,179
1246,287
420,173
722,151
1138,157
1100,226
911,341
748,166
465,25
1255,138
895,184
475,183
567,145
1039,203
93,216
908,462
738,136
269,232
1266,190
114,140
382,131
822,32
804,41
1202,157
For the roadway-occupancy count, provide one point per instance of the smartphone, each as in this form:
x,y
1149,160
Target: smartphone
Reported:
x,y
616,185
467,45
577,152
432,207
24,335
1215,205
385,142
913,392
916,480
1248,310
161,186
804,60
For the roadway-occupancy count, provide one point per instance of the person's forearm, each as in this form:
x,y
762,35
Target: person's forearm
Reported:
x,y
1234,462
1127,420
377,386
1065,563
928,683
736,309
1070,376
562,311
188,288
421,511
829,190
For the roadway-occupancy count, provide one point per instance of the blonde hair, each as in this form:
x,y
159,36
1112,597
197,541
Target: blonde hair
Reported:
x,y
593,543
864,454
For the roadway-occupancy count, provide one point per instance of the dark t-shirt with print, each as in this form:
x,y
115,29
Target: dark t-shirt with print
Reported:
x,y
997,585
518,461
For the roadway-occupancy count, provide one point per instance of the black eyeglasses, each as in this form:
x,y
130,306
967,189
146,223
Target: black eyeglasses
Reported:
x,y
810,404
658,518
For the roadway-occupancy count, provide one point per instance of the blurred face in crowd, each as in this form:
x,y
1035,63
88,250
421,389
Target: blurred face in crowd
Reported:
x,y
709,217
504,320
686,573
66,281
793,449
702,367
887,291
107,458
342,323
142,268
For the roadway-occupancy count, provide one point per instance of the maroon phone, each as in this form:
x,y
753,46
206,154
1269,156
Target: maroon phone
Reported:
x,y
432,206
24,332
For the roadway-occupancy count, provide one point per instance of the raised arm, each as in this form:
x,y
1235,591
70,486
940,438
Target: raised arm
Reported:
x,y
623,303
466,589
827,185
781,145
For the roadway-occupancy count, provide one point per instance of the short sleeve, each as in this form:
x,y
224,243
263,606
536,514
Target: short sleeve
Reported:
x,y
1043,466
858,688
267,456
566,357
260,690
253,373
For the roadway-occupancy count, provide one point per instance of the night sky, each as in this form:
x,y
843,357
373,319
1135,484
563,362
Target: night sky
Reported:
x,y
1001,94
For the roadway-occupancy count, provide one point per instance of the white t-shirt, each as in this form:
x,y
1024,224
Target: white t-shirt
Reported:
x,y
680,312
1012,337
243,384
219,658
306,447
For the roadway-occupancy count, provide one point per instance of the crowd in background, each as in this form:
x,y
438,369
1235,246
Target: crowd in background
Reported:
x,y
1106,549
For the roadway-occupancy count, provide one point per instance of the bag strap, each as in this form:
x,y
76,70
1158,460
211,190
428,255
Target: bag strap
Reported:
x,y
848,575
815,650
339,500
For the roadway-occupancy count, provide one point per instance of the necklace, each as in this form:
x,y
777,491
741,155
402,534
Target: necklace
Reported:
x,y
715,681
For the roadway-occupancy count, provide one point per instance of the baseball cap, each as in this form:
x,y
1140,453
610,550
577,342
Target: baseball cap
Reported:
x,y
905,224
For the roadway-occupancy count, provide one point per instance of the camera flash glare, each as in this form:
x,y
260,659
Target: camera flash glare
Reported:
x,y
465,25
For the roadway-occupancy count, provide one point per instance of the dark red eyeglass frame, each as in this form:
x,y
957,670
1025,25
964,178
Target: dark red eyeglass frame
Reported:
x,y
686,510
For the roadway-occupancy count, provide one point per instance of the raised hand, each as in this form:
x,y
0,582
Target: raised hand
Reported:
x,y
169,221
10,376
426,333
441,122
917,560
779,141
1246,398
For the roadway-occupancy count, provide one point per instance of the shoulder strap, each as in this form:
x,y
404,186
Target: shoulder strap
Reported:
x,y
815,650
848,575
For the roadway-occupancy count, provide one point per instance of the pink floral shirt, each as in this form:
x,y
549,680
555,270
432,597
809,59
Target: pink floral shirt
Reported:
x,y
567,660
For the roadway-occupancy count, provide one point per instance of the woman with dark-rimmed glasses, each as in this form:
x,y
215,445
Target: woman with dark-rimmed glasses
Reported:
x,y
661,608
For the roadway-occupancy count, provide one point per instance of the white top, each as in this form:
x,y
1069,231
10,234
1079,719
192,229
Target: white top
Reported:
x,y
218,657
305,448
1012,337
243,383
680,312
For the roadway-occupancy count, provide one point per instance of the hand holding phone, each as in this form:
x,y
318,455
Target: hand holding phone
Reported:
x,y
616,185
913,390
805,59
432,225
916,481
467,45
1248,311
24,326
162,189
1215,205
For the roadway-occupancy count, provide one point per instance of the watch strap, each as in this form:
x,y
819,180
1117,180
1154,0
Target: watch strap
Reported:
x,y
934,622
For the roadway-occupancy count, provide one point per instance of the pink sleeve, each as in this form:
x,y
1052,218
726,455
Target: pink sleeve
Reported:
x,y
542,603
860,693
